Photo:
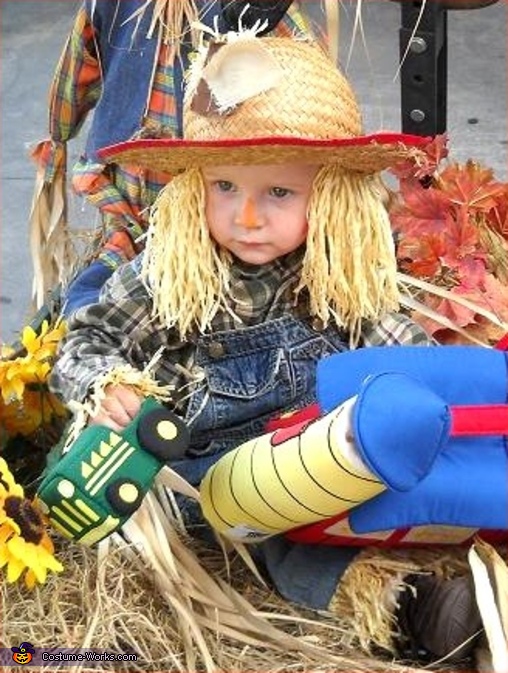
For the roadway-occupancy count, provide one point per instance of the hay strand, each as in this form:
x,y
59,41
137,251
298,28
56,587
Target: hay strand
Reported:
x,y
110,598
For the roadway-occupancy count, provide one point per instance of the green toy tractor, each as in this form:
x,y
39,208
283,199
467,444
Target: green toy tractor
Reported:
x,y
102,479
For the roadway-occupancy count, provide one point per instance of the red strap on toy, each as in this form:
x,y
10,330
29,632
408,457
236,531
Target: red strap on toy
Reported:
x,y
502,344
292,418
479,419
482,419
467,420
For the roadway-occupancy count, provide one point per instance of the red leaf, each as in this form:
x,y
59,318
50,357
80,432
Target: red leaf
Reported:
x,y
460,315
422,167
498,216
421,256
420,211
495,297
471,185
471,273
462,239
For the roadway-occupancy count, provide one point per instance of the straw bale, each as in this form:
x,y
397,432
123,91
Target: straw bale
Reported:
x,y
112,601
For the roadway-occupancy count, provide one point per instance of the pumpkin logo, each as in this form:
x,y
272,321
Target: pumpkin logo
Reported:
x,y
23,654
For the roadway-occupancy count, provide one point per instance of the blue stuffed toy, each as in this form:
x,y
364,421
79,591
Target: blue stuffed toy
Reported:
x,y
468,483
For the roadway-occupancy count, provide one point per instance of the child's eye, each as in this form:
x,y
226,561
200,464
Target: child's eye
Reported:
x,y
279,192
225,185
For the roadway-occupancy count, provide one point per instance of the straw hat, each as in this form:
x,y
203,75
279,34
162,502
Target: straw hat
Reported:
x,y
265,101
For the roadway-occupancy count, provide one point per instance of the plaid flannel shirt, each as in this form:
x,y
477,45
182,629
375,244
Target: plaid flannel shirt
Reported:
x,y
121,330
121,194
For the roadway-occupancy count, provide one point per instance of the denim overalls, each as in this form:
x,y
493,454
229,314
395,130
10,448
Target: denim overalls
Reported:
x,y
245,377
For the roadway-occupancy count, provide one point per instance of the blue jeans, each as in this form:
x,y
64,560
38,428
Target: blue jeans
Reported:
x,y
249,376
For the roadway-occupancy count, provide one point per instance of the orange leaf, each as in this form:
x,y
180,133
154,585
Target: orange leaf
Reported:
x,y
460,315
471,273
434,152
495,297
471,185
462,239
498,216
420,211
421,256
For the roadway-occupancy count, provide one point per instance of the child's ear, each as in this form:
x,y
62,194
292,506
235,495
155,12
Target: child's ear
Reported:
x,y
254,10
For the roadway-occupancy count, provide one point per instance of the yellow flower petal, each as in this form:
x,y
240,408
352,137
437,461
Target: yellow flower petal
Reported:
x,y
17,547
30,579
44,557
15,551
11,525
17,490
7,531
46,351
4,555
28,337
8,478
14,569
12,389
53,564
39,571
33,557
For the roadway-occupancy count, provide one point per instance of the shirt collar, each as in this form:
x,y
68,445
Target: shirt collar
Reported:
x,y
290,262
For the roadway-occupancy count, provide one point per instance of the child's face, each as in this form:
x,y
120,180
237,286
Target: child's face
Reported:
x,y
258,213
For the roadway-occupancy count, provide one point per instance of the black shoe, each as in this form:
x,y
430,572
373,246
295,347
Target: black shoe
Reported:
x,y
437,617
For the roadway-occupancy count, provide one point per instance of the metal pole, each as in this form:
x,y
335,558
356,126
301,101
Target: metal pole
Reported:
x,y
424,70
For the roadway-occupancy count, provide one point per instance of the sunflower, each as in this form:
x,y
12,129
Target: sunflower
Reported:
x,y
33,367
25,401
15,374
24,542
37,409
42,346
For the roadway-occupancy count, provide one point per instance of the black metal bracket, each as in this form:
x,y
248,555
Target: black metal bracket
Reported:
x,y
424,70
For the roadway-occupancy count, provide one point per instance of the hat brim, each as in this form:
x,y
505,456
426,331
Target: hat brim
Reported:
x,y
365,154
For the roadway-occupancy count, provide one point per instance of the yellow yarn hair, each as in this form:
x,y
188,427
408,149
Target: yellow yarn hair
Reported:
x,y
186,273
349,267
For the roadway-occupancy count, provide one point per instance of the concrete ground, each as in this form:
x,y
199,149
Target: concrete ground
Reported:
x,y
32,34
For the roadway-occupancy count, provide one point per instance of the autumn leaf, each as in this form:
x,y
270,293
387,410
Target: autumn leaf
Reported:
x,y
495,297
419,211
471,273
460,315
453,234
483,330
435,152
462,239
421,256
471,186
497,218
425,165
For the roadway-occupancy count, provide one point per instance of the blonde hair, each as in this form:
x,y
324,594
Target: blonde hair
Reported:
x,y
188,275
349,267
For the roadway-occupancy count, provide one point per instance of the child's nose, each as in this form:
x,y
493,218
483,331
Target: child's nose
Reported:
x,y
248,215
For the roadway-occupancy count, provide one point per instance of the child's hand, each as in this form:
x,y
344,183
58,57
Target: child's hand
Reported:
x,y
119,407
